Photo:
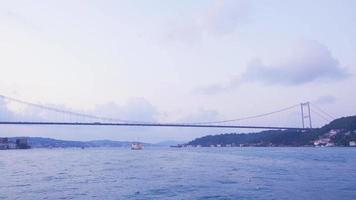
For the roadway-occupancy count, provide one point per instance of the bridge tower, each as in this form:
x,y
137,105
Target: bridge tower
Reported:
x,y
306,117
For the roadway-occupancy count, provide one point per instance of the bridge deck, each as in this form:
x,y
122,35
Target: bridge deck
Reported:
x,y
148,124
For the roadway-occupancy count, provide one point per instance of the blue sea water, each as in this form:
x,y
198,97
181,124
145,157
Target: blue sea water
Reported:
x,y
186,173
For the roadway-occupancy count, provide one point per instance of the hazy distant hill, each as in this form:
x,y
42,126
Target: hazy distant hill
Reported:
x,y
339,132
39,142
169,143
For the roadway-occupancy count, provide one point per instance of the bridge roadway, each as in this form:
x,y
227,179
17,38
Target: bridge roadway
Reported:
x,y
148,124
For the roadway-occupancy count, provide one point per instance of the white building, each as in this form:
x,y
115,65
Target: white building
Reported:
x,y
11,145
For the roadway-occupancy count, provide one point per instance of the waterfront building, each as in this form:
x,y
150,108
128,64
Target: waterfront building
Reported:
x,y
14,143
352,143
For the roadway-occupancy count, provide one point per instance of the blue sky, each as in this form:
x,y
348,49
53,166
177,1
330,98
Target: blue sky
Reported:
x,y
175,61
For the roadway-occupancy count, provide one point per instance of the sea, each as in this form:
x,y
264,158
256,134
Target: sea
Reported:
x,y
179,173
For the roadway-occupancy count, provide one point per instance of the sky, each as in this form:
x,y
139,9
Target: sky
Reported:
x,y
175,61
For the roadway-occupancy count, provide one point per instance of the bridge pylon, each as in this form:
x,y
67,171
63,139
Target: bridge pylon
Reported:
x,y
306,116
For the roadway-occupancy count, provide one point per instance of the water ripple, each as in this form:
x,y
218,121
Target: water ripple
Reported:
x,y
204,173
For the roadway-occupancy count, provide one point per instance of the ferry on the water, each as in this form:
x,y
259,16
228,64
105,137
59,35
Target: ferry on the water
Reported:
x,y
136,146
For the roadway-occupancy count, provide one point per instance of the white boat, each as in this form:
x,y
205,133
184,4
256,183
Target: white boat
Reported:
x,y
136,146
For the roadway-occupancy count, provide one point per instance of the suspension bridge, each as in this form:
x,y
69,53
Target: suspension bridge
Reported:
x,y
82,119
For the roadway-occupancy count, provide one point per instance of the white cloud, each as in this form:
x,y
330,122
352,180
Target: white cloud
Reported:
x,y
221,18
309,62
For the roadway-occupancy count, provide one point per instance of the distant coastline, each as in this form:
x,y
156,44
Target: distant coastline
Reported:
x,y
340,132
42,142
